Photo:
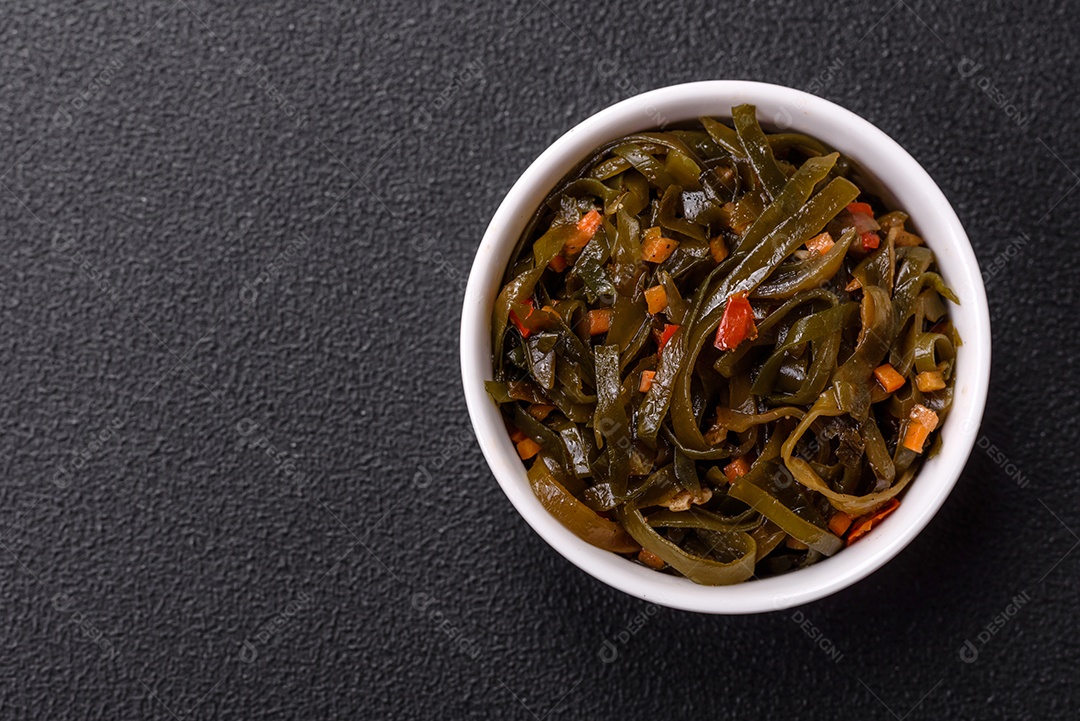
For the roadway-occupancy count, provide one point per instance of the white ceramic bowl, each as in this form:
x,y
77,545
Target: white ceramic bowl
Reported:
x,y
889,171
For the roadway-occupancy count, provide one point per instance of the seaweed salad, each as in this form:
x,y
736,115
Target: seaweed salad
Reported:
x,y
717,355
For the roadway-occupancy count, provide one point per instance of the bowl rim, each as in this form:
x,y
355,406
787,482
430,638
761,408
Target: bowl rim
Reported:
x,y
871,149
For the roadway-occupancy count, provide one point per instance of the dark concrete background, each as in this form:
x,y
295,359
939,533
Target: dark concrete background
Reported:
x,y
238,476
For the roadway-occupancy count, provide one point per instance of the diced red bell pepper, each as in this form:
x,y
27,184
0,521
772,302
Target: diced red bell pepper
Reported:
x,y
870,240
665,335
524,329
646,381
737,324
863,208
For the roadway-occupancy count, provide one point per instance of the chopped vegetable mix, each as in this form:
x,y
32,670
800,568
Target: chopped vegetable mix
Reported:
x,y
717,355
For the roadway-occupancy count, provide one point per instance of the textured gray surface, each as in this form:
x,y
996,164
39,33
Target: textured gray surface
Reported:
x,y
228,355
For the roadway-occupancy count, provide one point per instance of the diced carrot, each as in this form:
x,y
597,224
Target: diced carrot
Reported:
x,y
737,323
915,438
854,285
599,320
923,415
650,559
889,379
862,525
921,422
539,411
839,523
646,381
517,435
718,248
583,233
870,240
665,336
655,248
527,448
524,330
863,208
590,222
656,298
738,467
558,264
930,381
820,243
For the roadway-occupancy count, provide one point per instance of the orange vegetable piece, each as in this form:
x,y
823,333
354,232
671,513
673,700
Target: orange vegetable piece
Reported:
x,y
863,208
650,559
599,320
517,321
558,264
718,248
737,323
840,522
924,416
583,233
870,240
738,467
862,525
517,435
646,381
930,381
889,379
921,422
655,248
656,298
820,243
916,436
527,448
